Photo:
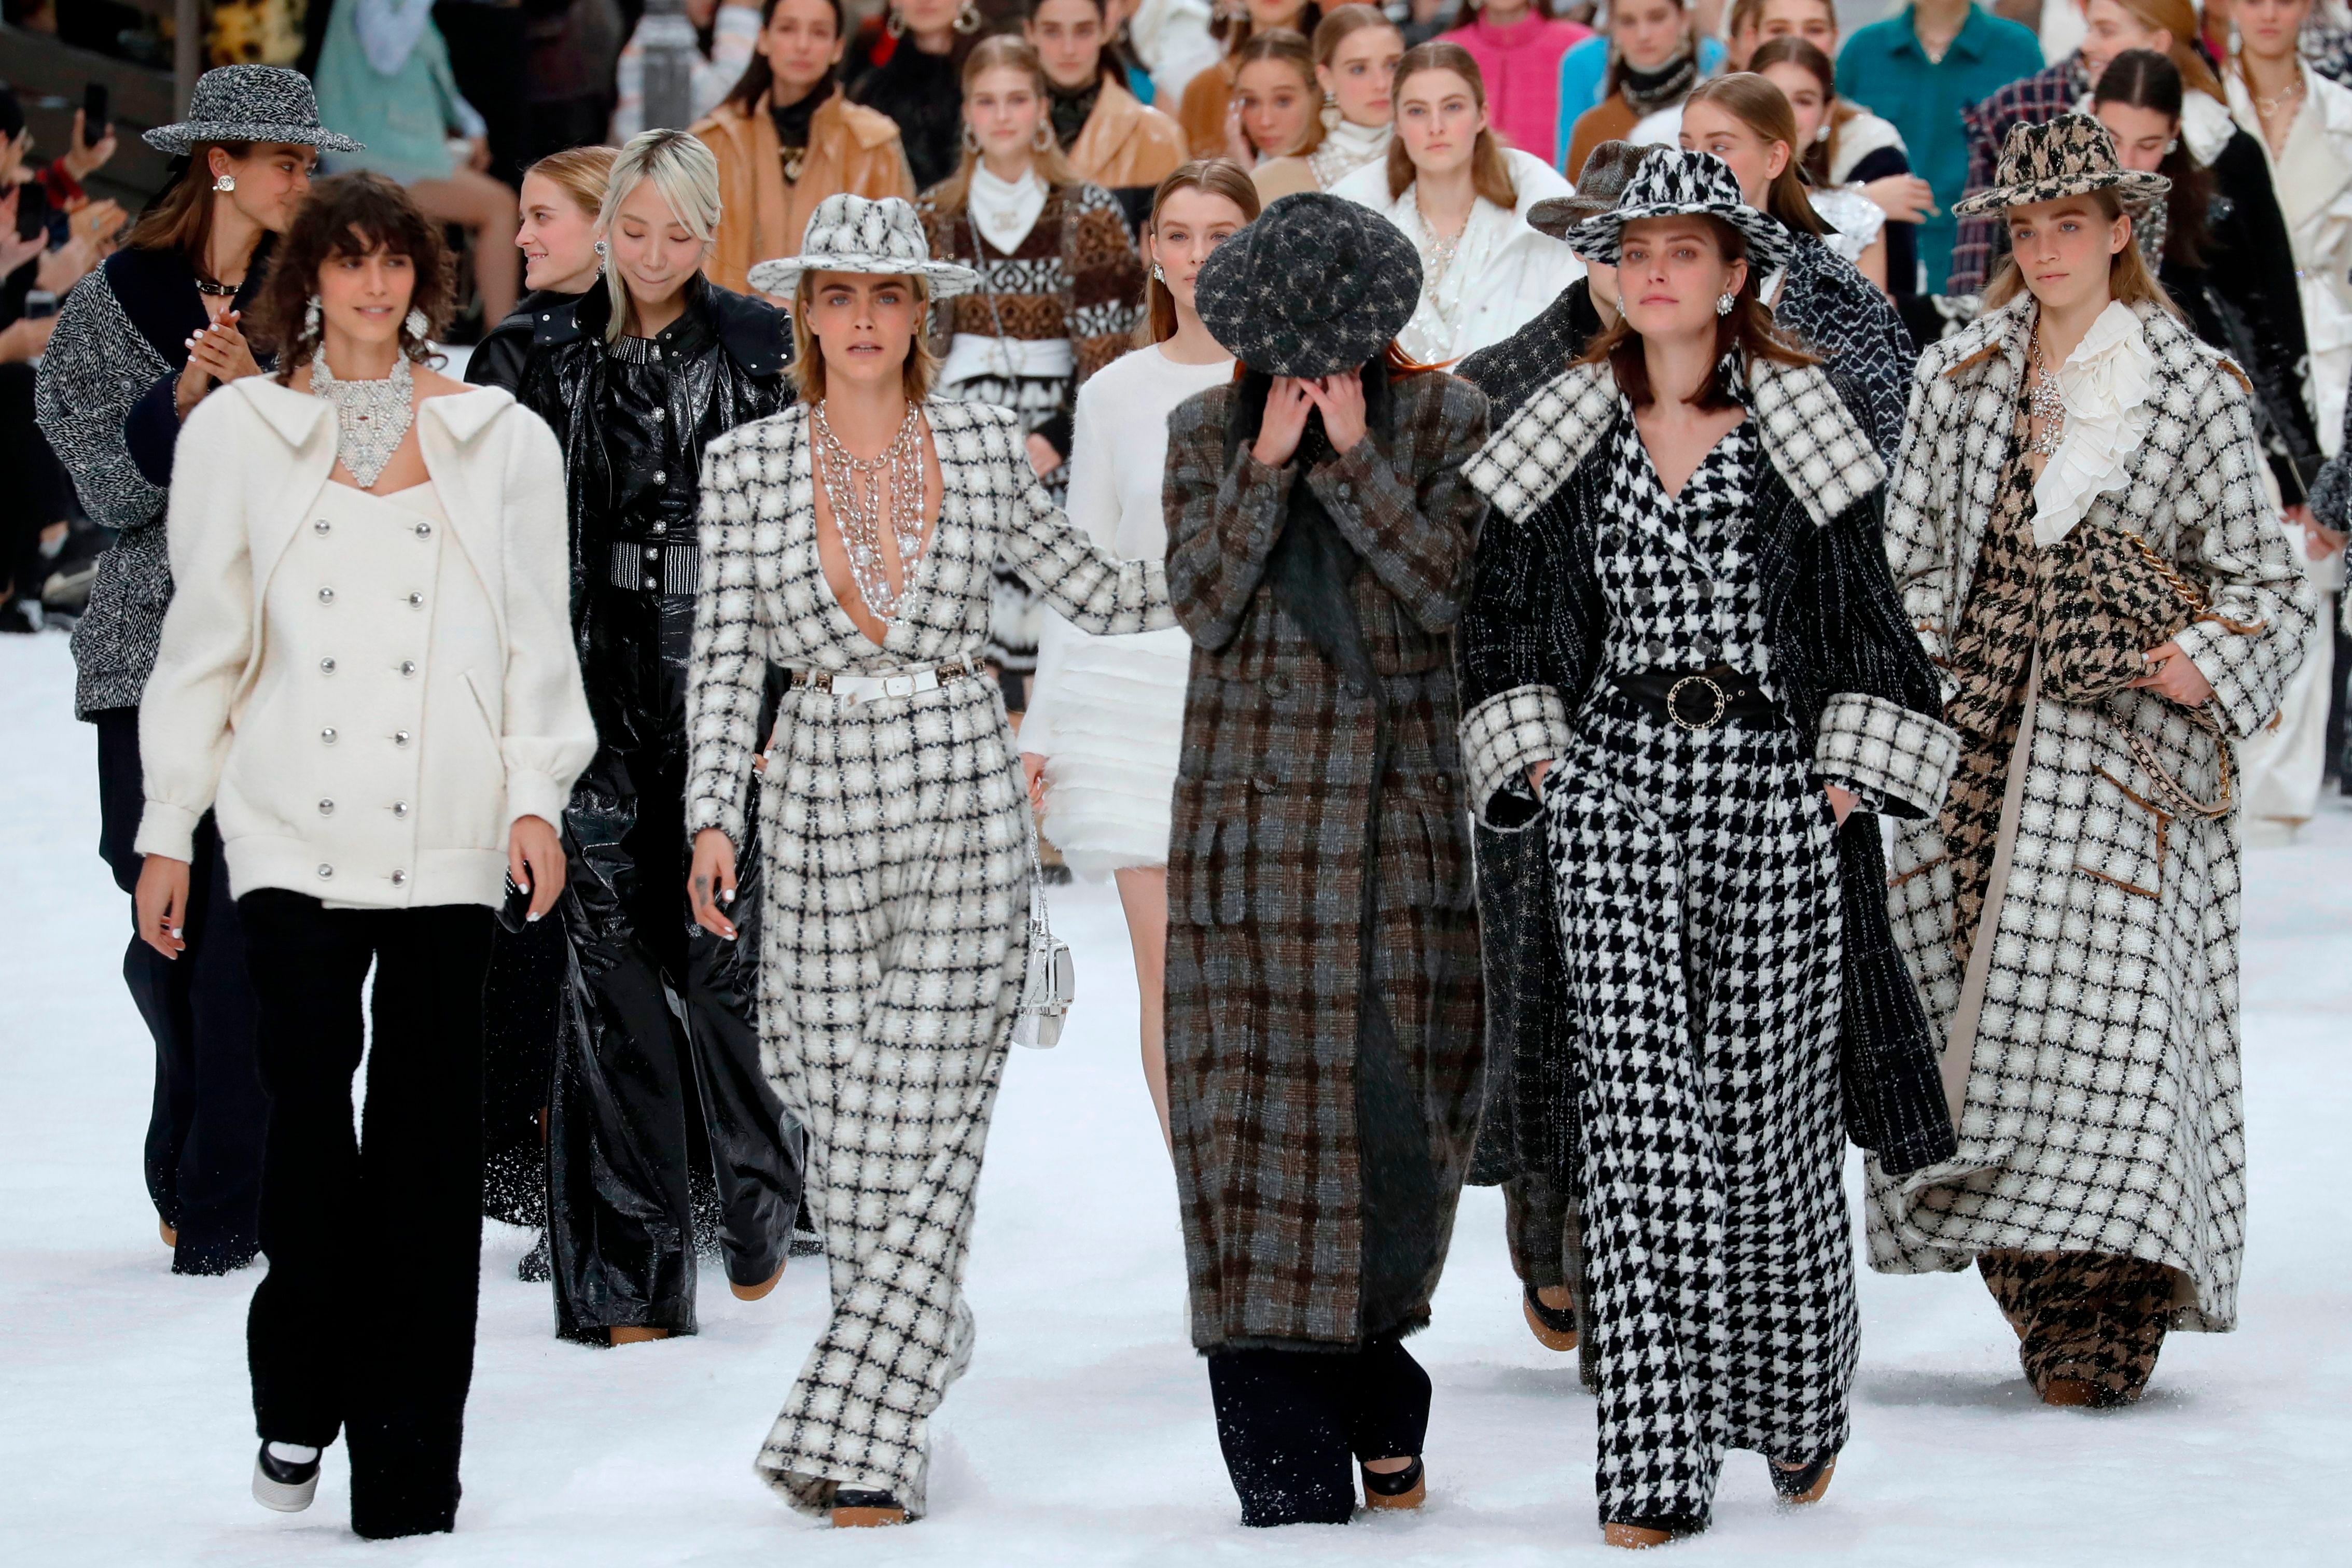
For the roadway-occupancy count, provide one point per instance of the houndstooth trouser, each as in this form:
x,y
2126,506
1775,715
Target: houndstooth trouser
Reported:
x,y
894,937
1700,919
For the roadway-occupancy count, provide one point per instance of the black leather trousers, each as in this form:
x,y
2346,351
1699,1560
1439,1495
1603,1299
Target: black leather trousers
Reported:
x,y
658,1085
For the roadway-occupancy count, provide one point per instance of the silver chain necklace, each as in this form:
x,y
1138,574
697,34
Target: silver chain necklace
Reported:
x,y
371,417
853,488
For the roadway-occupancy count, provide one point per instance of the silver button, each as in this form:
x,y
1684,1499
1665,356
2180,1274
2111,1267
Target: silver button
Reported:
x,y
320,526
326,666
326,596
660,528
651,583
326,808
400,879
415,601
325,871
652,552
661,475
660,415
408,666
400,738
656,350
424,530
400,807
328,735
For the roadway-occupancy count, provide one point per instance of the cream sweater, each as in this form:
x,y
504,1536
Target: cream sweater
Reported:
x,y
366,696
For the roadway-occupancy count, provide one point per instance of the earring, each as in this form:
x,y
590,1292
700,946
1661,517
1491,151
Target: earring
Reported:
x,y
226,182
1330,114
1044,140
601,250
2171,147
416,324
971,140
894,23
1158,276
311,318
969,20
1724,302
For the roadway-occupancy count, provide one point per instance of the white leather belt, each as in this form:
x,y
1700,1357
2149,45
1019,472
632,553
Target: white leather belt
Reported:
x,y
856,689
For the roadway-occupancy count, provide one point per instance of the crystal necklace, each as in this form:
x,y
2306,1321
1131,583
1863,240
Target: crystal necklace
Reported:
x,y
2047,403
371,417
853,488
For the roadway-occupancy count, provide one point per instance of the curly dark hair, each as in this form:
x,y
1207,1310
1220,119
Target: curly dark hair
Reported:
x,y
349,214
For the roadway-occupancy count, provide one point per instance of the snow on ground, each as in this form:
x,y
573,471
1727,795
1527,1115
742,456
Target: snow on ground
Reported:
x,y
1082,1434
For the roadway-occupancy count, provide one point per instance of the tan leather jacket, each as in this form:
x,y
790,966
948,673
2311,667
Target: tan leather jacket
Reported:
x,y
1125,142
851,148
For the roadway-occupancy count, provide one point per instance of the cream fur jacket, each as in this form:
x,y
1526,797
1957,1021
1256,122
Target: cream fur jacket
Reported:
x,y
368,697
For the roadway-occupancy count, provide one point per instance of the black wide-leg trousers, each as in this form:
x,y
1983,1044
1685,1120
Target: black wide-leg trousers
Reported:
x,y
365,1320
1292,1423
205,1129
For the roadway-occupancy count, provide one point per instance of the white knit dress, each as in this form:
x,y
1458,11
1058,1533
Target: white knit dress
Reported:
x,y
1107,712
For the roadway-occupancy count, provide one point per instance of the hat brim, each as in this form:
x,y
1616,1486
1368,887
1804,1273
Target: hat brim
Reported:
x,y
179,137
2128,184
781,275
1557,214
1600,238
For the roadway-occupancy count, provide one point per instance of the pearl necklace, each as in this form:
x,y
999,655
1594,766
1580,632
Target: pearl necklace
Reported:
x,y
371,417
853,489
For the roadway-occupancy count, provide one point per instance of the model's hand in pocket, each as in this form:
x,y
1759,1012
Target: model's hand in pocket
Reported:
x,y
161,903
710,885
1536,776
1841,802
535,861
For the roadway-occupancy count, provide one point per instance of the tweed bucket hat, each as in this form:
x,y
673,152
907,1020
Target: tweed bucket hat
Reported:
x,y
1673,182
251,103
2072,155
1607,168
1319,284
860,233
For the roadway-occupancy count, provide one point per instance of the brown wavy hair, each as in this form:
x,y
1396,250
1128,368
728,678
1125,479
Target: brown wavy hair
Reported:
x,y
1791,49
1218,177
1748,327
1490,175
350,215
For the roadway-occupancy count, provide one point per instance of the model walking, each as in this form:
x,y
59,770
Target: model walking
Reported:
x,y
1682,637
1527,1134
1355,50
1323,1016
653,1097
1055,300
2082,538
137,344
1462,198
1100,741
369,671
848,541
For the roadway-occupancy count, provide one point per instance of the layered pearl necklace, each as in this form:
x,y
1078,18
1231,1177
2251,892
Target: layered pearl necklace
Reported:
x,y
371,417
853,489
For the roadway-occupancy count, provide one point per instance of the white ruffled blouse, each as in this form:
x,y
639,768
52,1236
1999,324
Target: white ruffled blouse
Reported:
x,y
2105,384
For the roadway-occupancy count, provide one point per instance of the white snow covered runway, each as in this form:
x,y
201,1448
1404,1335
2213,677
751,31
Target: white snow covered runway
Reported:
x,y
1082,1434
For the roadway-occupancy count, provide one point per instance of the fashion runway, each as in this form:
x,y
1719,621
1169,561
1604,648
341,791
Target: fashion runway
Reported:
x,y
1082,1434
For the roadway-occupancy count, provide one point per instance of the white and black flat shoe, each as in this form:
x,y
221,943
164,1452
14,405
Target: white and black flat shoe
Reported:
x,y
285,1485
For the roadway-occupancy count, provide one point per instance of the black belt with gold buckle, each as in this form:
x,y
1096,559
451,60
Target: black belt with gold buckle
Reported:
x,y
1697,699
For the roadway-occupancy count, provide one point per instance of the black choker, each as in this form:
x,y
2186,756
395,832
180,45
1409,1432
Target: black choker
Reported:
x,y
217,290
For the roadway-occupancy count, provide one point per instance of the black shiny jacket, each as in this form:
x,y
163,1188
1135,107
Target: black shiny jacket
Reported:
x,y
736,375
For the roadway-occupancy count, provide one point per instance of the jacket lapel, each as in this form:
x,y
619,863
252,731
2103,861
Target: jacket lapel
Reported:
x,y
445,427
1537,448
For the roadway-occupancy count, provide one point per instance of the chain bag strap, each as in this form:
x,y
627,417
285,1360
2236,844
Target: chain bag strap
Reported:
x,y
1050,979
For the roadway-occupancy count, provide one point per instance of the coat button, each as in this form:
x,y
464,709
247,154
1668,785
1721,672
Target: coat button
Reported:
x,y
1444,784
326,808
400,807
326,666
652,552
660,415
660,528
400,879
326,596
1655,647
651,582
661,475
328,735
320,526
408,666
424,530
325,871
416,601
1263,784
1277,685
400,738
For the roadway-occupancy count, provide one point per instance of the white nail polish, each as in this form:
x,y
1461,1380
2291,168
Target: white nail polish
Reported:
x,y
530,918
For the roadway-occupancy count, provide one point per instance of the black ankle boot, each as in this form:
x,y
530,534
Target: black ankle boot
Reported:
x,y
1805,1485
1407,1487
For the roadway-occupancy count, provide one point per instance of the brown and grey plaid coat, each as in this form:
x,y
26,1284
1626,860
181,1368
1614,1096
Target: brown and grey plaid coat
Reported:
x,y
1274,806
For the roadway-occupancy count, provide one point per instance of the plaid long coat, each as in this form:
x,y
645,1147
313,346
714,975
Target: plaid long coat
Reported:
x,y
1274,806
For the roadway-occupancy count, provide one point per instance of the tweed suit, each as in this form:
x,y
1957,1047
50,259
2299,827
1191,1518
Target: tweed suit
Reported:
x,y
894,838
2098,1104
1275,805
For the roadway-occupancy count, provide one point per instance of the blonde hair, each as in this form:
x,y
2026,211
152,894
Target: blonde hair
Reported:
x,y
686,173
1490,174
2179,18
579,173
2128,279
916,376
1009,52
1284,46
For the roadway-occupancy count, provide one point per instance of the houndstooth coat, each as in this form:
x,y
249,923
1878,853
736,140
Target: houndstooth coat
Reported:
x,y
2102,1108
1275,804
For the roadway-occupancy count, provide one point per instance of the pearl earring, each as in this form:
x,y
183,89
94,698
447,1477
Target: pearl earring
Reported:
x,y
601,248
226,182
1724,302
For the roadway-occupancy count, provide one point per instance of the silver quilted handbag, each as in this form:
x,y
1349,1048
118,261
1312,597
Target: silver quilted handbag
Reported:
x,y
1051,979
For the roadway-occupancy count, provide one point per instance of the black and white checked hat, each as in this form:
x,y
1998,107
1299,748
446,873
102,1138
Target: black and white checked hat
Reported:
x,y
1319,284
1599,183
1673,182
2072,155
859,234
251,103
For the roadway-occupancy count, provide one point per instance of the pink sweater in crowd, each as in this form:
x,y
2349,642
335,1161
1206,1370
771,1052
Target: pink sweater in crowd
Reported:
x,y
1521,65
